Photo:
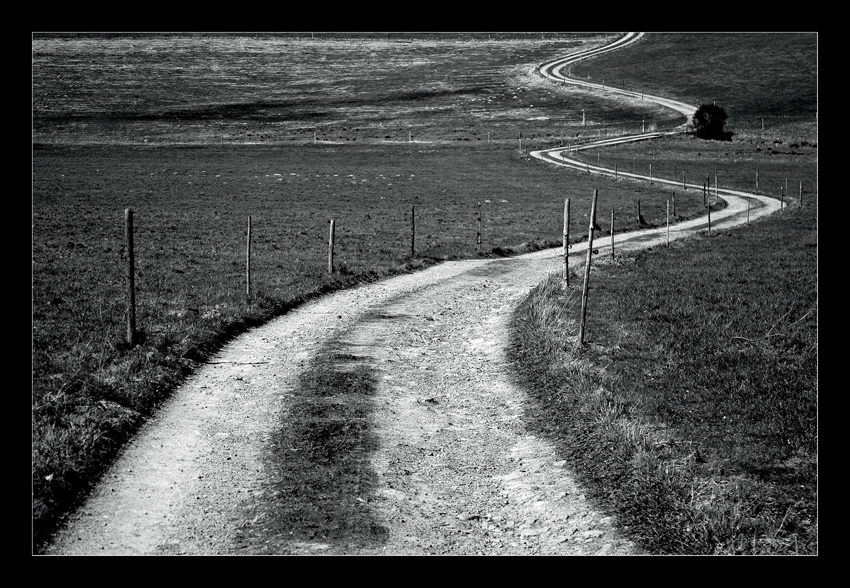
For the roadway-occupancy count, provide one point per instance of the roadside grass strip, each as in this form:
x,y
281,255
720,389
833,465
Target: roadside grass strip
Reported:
x,y
692,413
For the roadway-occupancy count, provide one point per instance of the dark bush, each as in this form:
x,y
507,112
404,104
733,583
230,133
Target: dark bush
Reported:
x,y
708,122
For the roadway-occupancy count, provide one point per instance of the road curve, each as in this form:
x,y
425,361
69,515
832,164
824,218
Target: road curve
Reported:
x,y
561,156
453,471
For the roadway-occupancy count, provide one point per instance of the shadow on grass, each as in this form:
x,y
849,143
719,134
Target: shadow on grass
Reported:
x,y
319,480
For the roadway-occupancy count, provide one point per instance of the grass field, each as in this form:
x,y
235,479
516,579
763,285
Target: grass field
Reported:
x,y
692,412
197,133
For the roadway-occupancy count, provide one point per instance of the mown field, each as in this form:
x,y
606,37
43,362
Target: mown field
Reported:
x,y
691,414
196,133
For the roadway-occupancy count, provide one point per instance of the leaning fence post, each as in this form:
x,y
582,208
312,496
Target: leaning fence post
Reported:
x,y
131,279
566,242
587,269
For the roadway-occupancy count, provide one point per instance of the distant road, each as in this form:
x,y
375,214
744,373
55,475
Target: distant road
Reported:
x,y
562,156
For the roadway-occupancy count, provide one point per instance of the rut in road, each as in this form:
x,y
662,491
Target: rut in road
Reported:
x,y
454,470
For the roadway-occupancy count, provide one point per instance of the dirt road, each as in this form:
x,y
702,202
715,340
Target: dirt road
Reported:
x,y
455,471
444,405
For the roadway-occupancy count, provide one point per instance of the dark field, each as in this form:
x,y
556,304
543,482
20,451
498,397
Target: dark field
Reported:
x,y
197,133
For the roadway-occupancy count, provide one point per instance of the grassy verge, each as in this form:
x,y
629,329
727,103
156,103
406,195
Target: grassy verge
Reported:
x,y
692,412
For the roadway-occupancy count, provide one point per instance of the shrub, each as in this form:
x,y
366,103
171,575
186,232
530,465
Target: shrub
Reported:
x,y
708,122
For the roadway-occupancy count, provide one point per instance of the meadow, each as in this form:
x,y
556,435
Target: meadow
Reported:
x,y
196,133
691,414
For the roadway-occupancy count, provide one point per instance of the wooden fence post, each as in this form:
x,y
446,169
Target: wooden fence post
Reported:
x,y
684,187
801,192
748,212
668,224
650,174
412,230
716,195
612,234
566,242
331,247
478,241
248,263
587,269
757,179
131,278
709,220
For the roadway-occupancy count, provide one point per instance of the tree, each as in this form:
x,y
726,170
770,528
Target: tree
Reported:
x,y
708,122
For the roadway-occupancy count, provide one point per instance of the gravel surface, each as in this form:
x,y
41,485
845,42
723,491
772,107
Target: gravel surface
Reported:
x,y
456,472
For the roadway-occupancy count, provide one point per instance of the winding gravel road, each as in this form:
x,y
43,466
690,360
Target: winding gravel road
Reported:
x,y
456,471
